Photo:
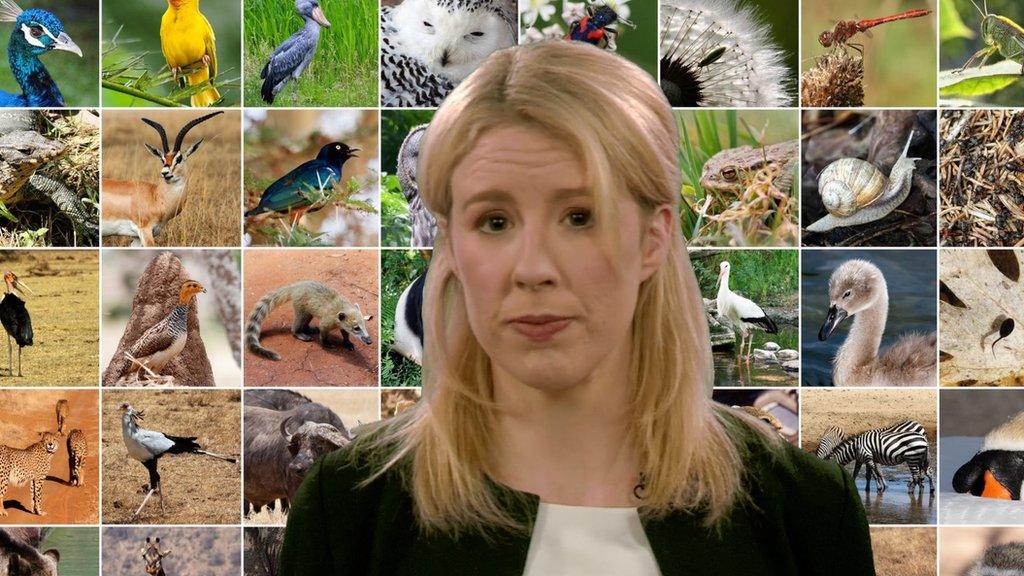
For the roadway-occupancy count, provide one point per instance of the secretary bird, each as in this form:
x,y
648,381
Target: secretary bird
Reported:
x,y
147,446
741,312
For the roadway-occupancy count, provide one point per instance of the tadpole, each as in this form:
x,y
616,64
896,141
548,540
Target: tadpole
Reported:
x,y
1004,330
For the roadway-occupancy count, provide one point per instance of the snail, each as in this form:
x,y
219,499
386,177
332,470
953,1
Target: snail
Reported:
x,y
856,192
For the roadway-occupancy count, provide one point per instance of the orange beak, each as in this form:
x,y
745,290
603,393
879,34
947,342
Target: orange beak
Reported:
x,y
993,489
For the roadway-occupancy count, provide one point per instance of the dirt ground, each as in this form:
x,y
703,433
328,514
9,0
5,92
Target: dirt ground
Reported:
x,y
213,210
903,551
354,274
197,489
354,407
25,414
65,320
962,546
858,410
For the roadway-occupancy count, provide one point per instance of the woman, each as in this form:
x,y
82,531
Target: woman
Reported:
x,y
567,427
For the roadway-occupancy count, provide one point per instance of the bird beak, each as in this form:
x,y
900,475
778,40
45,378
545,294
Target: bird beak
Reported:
x,y
354,150
22,287
64,42
835,316
318,15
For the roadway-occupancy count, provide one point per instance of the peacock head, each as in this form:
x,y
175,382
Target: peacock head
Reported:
x,y
37,31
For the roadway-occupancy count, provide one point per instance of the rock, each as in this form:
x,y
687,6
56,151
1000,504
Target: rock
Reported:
x,y
155,297
787,354
791,366
771,346
764,354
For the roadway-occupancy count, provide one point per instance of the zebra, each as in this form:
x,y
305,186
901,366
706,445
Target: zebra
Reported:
x,y
904,442
834,435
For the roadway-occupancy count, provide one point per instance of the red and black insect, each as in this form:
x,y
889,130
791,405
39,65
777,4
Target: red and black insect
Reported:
x,y
595,28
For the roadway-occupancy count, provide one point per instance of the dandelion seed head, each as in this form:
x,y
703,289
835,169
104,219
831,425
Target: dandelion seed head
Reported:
x,y
720,54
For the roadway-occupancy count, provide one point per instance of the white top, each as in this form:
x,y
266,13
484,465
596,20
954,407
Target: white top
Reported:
x,y
584,540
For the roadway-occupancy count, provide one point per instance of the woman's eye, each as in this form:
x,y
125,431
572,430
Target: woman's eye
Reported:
x,y
579,218
492,223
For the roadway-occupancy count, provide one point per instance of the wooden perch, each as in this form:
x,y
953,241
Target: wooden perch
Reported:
x,y
155,297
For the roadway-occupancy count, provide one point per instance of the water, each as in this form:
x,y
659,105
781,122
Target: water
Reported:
x,y
728,372
895,505
79,550
910,277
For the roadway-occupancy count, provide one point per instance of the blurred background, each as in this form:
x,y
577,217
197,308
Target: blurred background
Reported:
x,y
132,30
276,141
120,280
210,551
76,77
899,57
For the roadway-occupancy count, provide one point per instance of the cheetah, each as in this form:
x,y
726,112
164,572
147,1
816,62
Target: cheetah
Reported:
x,y
62,415
19,466
78,449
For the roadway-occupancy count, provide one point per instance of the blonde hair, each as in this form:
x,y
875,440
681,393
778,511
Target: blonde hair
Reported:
x,y
613,115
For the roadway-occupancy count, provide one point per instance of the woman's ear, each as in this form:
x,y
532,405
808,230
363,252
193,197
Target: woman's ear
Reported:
x,y
657,239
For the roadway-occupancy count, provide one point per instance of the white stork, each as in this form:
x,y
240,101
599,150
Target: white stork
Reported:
x,y
743,314
147,446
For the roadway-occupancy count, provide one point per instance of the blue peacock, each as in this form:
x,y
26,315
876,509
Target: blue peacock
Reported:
x,y
36,32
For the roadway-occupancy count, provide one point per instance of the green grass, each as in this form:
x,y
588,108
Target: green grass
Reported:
x,y
76,77
398,269
396,228
344,70
765,276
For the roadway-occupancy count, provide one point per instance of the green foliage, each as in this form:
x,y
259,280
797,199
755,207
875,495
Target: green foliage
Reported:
x,y
32,238
396,228
76,77
131,34
997,84
344,70
950,24
768,277
978,81
394,127
297,236
398,269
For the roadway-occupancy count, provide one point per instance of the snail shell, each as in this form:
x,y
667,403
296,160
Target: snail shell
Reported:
x,y
849,184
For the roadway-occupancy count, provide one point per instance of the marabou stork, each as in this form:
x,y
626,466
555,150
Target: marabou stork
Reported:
x,y
15,318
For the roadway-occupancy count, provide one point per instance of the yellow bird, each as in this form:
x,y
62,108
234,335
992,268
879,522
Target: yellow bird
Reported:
x,y
186,38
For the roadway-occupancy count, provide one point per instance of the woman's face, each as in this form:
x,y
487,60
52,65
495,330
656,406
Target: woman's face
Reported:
x,y
546,301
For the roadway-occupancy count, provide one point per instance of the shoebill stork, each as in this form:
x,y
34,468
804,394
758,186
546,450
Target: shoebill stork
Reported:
x,y
742,313
147,446
15,318
290,59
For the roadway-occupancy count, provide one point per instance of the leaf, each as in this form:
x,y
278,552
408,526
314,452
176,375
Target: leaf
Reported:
x,y
979,81
950,24
1006,262
7,213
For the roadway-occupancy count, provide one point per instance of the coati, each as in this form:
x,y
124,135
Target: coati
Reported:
x,y
311,300
1000,560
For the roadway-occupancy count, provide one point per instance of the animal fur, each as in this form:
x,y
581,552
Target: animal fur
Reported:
x,y
310,299
1000,560
1007,436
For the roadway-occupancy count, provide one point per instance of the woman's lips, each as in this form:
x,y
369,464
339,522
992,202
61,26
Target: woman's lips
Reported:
x,y
540,328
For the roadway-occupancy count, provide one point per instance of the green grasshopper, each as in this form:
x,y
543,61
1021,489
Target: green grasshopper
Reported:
x,y
1000,35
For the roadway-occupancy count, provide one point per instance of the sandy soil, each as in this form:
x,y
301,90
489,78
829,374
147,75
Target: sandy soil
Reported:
x,y
961,546
903,551
64,317
354,407
859,410
354,274
197,489
33,412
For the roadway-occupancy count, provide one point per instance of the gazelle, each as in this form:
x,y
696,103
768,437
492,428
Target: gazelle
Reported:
x,y
141,209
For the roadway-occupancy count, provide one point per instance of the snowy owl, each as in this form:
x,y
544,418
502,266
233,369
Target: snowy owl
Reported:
x,y
429,46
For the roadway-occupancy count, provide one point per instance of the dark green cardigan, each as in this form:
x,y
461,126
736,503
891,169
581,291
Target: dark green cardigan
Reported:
x,y
804,517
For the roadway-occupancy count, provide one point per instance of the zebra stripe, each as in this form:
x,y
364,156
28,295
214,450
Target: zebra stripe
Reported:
x,y
904,442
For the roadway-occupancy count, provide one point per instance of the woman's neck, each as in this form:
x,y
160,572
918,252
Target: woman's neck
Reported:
x,y
569,446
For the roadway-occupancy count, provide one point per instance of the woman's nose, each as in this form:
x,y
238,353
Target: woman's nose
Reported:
x,y
535,264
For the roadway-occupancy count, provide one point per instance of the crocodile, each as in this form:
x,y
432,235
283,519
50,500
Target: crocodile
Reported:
x,y
23,150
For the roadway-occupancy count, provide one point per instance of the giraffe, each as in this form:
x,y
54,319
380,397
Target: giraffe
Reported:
x,y
154,557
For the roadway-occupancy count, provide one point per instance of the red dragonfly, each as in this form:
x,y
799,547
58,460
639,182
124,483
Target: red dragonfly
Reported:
x,y
845,29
